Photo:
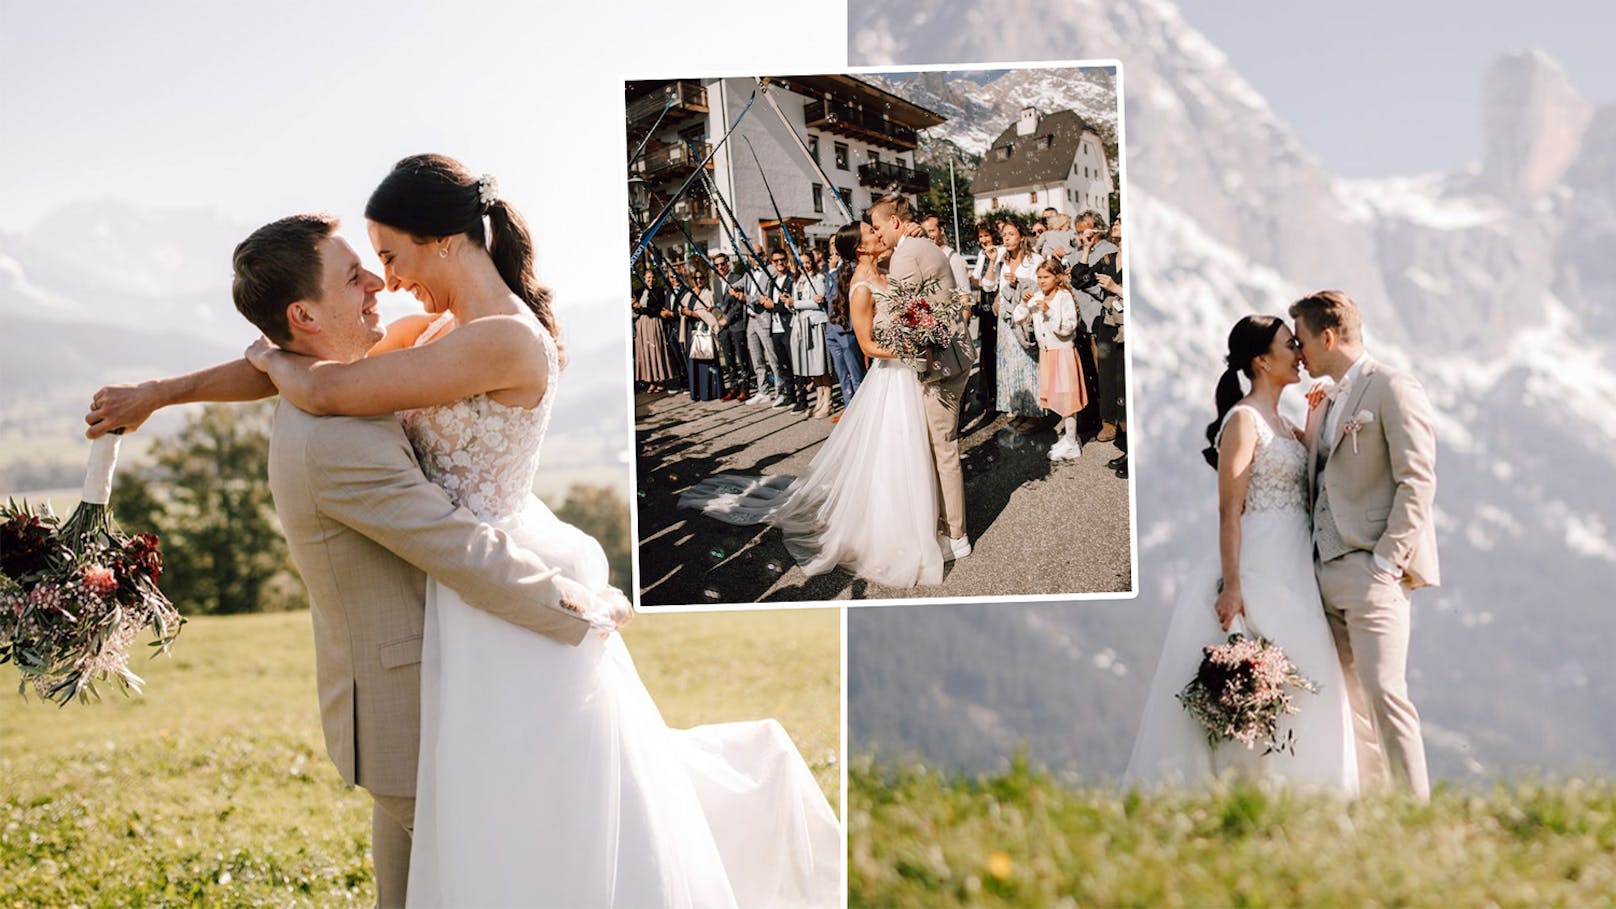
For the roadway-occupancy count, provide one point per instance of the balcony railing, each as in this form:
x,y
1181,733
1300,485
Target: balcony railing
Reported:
x,y
847,120
687,97
675,159
896,176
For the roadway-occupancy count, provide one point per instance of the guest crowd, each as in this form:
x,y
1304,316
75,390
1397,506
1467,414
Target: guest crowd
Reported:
x,y
1048,318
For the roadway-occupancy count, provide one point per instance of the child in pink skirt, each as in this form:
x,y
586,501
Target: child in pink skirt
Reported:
x,y
1053,313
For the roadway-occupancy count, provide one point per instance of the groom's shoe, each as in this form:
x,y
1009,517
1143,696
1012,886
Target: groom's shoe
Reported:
x,y
953,549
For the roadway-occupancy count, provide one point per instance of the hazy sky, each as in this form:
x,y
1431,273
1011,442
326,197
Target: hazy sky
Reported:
x,y
260,111
1379,88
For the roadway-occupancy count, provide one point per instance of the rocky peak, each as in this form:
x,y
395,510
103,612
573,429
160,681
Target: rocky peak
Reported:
x,y
1534,121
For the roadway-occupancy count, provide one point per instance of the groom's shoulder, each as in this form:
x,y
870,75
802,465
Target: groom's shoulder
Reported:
x,y
1400,384
322,440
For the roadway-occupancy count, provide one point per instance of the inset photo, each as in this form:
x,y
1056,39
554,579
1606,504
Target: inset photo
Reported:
x,y
879,336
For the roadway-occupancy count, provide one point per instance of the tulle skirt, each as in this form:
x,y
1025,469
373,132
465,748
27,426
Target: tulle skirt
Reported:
x,y
548,777
868,501
1060,381
1282,604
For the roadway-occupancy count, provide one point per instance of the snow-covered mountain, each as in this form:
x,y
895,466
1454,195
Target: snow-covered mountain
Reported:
x,y
1493,284
978,110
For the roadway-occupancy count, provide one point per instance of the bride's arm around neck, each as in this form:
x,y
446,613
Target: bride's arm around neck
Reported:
x,y
488,355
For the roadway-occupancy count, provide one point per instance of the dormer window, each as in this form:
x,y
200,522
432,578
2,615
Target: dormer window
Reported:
x,y
1002,153
1045,141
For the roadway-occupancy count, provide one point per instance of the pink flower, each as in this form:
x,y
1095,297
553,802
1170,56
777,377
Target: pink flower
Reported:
x,y
99,579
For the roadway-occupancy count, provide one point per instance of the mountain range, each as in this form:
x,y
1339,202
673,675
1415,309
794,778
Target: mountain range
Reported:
x,y
1493,284
103,291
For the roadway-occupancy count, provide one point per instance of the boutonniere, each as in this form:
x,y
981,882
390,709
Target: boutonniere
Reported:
x,y
1359,420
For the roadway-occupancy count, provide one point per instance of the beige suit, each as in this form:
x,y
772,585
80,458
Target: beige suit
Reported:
x,y
1376,496
365,528
915,260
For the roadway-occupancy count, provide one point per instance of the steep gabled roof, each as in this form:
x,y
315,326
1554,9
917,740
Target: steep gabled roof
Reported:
x,y
1028,161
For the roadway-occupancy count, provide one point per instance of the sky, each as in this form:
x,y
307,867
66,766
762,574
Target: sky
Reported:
x,y
205,105
1377,88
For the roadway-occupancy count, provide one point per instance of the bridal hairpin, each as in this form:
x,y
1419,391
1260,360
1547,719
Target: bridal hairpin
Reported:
x,y
487,189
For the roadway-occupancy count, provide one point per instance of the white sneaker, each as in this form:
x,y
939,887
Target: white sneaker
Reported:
x,y
781,400
1057,451
953,549
758,398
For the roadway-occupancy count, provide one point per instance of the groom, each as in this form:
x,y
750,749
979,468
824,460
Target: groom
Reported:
x,y
365,528
1372,489
915,259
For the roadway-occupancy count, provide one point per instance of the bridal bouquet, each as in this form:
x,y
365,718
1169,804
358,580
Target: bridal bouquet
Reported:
x,y
1241,690
75,594
915,327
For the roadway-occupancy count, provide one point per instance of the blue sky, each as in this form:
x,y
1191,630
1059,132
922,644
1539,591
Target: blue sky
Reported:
x,y
1377,88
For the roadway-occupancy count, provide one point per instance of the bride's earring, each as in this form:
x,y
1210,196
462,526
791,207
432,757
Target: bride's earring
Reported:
x,y
443,252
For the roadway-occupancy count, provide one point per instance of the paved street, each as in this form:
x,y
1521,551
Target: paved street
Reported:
x,y
1038,527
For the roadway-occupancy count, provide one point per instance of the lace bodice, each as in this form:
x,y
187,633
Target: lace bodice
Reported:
x,y
483,453
1278,479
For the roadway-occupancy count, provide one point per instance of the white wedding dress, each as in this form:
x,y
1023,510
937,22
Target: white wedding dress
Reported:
x,y
547,775
868,502
1282,604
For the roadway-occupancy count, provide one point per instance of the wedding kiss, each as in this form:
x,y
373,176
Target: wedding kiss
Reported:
x,y
1324,531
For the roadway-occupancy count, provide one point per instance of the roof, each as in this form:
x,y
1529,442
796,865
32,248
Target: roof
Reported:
x,y
868,95
1028,164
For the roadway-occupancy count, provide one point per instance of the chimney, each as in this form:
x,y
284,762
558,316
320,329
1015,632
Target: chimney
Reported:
x,y
1028,122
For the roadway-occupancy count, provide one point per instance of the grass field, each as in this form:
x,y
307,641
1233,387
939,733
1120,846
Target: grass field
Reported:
x,y
214,788
917,838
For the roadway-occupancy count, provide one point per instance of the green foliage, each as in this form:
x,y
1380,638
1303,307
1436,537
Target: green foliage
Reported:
x,y
940,202
207,496
920,838
602,512
214,788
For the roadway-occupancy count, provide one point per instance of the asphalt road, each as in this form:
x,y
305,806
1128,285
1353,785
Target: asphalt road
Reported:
x,y
1037,527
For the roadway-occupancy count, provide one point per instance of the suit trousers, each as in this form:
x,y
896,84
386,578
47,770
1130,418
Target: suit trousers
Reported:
x,y
761,348
392,819
942,403
1370,619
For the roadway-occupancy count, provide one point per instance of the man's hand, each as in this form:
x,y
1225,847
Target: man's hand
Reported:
x,y
618,606
121,406
259,352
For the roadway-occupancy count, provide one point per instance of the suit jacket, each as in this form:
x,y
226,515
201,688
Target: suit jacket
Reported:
x,y
365,528
915,260
1382,495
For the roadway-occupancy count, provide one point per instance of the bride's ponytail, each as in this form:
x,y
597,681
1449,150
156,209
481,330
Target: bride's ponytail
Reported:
x,y
1249,339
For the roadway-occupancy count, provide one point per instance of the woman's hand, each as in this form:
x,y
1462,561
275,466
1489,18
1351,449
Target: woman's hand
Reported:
x,y
122,407
1107,284
1026,296
1230,604
259,352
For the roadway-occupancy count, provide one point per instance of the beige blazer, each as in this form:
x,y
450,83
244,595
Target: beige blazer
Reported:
x,y
365,528
915,260
1383,491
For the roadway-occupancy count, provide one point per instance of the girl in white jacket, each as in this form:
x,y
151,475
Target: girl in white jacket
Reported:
x,y
1053,313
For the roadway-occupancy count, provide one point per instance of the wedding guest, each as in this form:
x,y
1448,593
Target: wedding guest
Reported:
x,y
1017,369
730,308
760,335
778,302
652,365
1053,315
1057,239
1113,383
706,379
673,324
810,359
933,226
1083,264
985,280
845,354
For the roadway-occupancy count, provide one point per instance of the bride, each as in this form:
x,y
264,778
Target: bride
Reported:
x,y
546,774
868,502
1268,588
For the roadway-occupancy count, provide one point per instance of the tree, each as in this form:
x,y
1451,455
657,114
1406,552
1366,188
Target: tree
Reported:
x,y
601,512
207,496
939,201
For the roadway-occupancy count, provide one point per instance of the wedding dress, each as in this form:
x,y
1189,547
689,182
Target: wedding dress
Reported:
x,y
867,503
547,775
1281,604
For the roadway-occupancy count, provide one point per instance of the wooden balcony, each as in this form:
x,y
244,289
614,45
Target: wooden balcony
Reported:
x,y
676,159
846,120
687,98
889,176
